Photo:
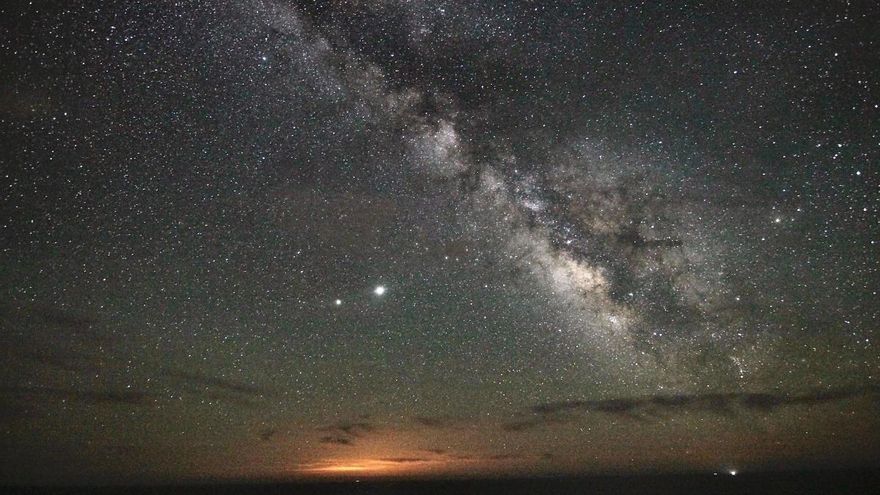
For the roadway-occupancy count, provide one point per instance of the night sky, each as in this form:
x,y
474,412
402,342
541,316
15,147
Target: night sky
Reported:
x,y
268,239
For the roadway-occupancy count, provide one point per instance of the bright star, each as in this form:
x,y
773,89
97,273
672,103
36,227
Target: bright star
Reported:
x,y
379,290
338,302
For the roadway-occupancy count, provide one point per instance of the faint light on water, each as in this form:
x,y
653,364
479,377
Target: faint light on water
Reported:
x,y
732,472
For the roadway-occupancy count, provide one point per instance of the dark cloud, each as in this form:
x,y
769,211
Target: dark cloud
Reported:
x,y
63,360
60,318
195,379
527,424
217,389
768,402
405,460
336,440
90,397
266,434
436,421
469,457
643,408
503,457
354,429
65,319
345,433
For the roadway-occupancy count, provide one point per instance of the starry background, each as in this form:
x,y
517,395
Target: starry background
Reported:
x,y
609,237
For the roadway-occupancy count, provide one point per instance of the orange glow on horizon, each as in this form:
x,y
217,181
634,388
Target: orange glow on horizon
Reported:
x,y
347,468
344,468
360,467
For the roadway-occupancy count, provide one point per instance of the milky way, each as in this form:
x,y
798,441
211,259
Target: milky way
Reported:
x,y
274,239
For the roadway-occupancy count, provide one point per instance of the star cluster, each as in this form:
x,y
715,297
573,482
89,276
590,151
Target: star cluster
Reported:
x,y
274,239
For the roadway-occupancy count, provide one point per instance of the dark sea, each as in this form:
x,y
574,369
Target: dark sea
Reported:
x,y
828,482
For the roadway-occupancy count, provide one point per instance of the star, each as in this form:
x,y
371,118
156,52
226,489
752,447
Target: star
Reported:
x,y
590,251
